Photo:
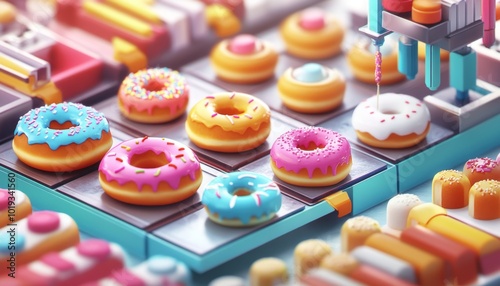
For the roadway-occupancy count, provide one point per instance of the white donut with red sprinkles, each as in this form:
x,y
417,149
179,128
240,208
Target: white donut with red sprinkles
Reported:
x,y
391,120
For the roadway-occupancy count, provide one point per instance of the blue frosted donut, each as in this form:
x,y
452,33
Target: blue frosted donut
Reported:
x,y
241,199
61,137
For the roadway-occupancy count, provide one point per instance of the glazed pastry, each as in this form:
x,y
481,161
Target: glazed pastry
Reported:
x,y
244,59
62,137
450,189
14,206
229,122
479,169
150,171
312,88
484,200
154,95
361,60
268,271
356,230
391,121
312,34
241,199
311,157
308,255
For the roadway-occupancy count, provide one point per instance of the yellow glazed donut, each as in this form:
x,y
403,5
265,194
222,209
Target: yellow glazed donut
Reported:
x,y
361,60
153,96
312,88
312,34
229,122
244,59
396,121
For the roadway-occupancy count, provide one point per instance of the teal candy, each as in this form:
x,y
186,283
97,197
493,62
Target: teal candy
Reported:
x,y
264,197
7,245
310,73
161,265
88,124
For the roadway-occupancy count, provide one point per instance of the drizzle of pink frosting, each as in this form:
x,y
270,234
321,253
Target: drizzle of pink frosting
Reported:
x,y
481,165
286,152
182,162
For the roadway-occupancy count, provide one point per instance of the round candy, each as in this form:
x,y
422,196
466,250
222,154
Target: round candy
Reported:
x,y
94,248
161,265
43,222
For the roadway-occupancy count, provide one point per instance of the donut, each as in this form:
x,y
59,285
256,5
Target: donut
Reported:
x,y
78,265
450,189
39,233
229,122
400,121
14,206
244,60
479,169
484,200
361,61
150,171
61,137
356,230
312,34
308,255
268,271
154,95
311,157
312,88
241,199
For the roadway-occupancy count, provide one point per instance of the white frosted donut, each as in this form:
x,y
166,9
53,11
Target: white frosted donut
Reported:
x,y
396,121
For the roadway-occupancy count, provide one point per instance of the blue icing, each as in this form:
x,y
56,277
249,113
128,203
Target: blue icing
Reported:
x,y
310,72
88,124
264,197
10,244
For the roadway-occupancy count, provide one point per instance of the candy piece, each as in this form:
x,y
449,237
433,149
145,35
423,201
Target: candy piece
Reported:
x,y
43,222
387,263
450,189
243,44
310,72
308,254
426,11
461,262
312,19
268,271
373,276
429,268
398,209
484,200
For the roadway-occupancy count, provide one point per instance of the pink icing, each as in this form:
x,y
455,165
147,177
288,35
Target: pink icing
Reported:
x,y
242,44
4,199
125,277
94,248
286,151
57,262
481,165
43,222
312,19
161,88
115,165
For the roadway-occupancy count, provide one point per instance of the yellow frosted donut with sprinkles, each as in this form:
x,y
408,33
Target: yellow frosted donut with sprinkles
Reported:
x,y
229,122
155,95
150,171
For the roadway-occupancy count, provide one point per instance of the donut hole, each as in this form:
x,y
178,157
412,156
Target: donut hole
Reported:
x,y
240,192
61,126
154,85
388,110
310,146
148,160
228,110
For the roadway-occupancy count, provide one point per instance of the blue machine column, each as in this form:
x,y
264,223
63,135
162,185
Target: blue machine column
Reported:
x,y
463,73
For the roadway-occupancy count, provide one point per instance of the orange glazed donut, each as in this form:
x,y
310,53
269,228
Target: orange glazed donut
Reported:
x,y
62,137
361,60
150,171
311,157
400,121
312,34
479,169
484,200
312,88
229,122
244,59
153,96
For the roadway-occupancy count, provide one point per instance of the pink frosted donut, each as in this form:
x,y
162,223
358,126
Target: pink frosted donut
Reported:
x,y
311,157
153,96
150,171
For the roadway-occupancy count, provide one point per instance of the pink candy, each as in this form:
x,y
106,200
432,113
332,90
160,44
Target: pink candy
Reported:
x,y
312,19
242,45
